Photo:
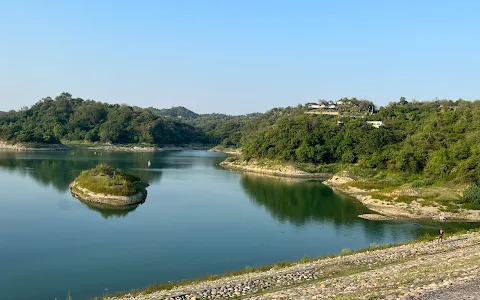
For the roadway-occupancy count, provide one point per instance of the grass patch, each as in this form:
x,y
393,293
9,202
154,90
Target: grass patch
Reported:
x,y
317,168
470,205
406,198
373,185
107,180
305,259
422,183
380,196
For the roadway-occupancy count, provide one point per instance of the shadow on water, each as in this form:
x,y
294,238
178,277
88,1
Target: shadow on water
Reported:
x,y
108,211
300,201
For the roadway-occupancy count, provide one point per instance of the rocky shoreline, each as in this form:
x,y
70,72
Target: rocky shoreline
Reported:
x,y
26,147
273,169
394,210
231,151
386,210
401,272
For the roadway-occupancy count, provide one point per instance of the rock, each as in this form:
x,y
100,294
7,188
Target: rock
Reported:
x,y
375,217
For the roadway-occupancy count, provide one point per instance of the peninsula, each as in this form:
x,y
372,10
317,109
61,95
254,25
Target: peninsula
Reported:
x,y
108,186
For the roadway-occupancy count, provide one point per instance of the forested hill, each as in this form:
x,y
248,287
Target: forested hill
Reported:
x,y
438,140
74,119
174,112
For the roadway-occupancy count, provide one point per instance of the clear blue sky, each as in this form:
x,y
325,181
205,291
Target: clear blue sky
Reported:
x,y
238,56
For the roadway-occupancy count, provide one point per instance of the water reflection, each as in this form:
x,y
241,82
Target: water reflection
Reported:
x,y
299,201
58,169
302,201
108,211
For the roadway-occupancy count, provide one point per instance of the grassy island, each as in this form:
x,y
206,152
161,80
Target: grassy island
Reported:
x,y
110,186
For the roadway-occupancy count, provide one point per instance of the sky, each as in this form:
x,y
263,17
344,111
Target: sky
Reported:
x,y
238,57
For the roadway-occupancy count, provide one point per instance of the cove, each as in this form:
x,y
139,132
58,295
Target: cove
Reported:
x,y
199,219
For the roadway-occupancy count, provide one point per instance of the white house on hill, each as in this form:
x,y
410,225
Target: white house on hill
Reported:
x,y
375,124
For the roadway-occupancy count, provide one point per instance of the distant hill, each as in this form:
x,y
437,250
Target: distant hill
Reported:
x,y
74,119
174,112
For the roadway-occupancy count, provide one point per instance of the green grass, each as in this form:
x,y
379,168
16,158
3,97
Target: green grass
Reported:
x,y
373,185
345,252
380,196
107,180
406,198
470,205
317,168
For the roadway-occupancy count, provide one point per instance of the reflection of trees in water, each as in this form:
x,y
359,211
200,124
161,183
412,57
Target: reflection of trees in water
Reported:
x,y
60,168
110,212
300,201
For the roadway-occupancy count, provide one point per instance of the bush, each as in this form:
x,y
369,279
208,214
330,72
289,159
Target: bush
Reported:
x,y
304,259
345,252
422,182
472,194
406,198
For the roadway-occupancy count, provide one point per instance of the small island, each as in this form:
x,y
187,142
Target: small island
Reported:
x,y
108,186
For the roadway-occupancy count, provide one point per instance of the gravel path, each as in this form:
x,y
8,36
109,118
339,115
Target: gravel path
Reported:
x,y
467,291
403,272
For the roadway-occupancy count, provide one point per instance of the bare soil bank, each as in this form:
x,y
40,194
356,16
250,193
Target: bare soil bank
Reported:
x,y
270,169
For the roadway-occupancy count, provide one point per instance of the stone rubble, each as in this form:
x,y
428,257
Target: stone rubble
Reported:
x,y
402,272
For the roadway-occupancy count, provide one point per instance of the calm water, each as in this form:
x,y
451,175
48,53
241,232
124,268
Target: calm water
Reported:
x,y
198,219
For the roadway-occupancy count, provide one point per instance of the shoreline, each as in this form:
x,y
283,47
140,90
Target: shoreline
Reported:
x,y
397,210
4,146
384,210
33,147
407,269
277,170
231,151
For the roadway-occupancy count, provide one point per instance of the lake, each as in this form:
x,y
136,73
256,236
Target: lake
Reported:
x,y
198,219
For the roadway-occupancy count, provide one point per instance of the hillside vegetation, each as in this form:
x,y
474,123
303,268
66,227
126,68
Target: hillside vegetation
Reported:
x,y
424,142
436,140
74,119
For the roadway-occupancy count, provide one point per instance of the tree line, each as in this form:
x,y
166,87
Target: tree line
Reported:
x,y
74,119
438,140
